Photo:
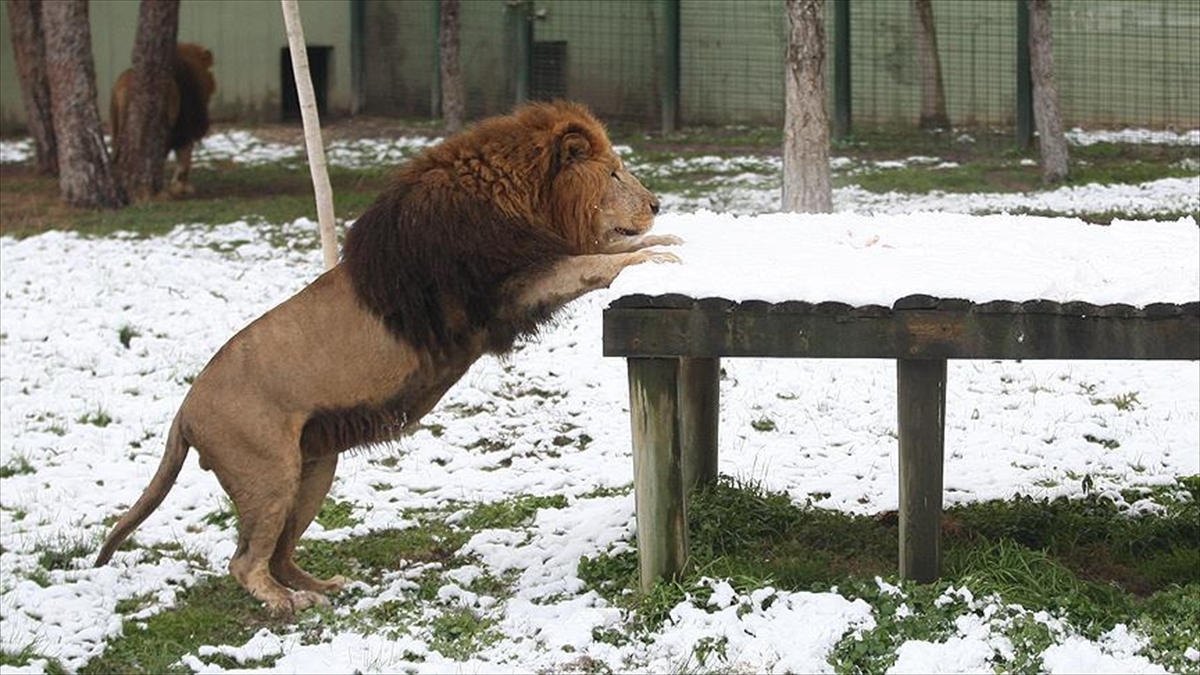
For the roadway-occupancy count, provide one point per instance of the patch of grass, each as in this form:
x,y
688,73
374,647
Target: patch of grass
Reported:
x,y
754,538
126,333
1037,581
28,656
335,514
98,417
274,193
1106,443
460,633
213,612
1127,401
17,466
61,553
1171,637
763,424
511,513
1090,561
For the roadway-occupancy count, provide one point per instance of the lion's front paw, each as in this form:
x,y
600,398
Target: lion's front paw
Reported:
x,y
657,257
664,240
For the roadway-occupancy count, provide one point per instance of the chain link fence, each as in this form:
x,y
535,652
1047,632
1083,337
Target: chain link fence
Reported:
x,y
1120,63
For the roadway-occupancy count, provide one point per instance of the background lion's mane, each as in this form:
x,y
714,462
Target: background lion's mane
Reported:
x,y
196,85
435,253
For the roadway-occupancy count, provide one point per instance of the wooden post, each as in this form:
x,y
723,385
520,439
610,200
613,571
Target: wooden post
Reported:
x,y
657,468
312,131
699,414
921,414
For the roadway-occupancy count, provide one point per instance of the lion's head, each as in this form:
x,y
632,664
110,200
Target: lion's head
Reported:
x,y
504,198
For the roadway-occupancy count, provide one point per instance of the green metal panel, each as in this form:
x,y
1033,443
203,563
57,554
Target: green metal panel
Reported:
x,y
400,56
731,58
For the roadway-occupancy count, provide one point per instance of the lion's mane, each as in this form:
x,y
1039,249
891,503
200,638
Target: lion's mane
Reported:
x,y
510,196
195,82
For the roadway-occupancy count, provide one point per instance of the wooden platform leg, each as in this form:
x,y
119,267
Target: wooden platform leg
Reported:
x,y
921,414
699,413
657,468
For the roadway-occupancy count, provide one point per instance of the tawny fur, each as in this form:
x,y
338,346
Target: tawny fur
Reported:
x,y
477,243
192,87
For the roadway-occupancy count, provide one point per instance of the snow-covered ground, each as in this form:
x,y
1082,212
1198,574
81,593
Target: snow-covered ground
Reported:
x,y
87,415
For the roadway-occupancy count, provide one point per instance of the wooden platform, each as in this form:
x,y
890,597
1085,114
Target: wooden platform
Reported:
x,y
674,343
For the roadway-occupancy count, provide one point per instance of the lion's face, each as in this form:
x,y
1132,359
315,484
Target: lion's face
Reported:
x,y
626,207
599,201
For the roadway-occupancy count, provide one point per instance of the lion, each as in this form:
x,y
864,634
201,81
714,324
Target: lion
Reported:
x,y
192,87
477,243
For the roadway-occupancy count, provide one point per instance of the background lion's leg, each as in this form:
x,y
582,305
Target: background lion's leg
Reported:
x,y
316,477
183,166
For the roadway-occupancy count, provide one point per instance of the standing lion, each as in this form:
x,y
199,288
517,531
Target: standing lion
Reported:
x,y
478,242
191,89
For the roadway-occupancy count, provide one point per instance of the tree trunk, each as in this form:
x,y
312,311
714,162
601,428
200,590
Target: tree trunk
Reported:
x,y
806,181
452,82
933,92
1052,142
84,175
29,48
140,146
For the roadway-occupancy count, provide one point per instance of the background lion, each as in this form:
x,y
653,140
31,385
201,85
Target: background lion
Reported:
x,y
192,87
478,241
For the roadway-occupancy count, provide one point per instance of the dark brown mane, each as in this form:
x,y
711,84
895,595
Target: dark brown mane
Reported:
x,y
431,256
195,87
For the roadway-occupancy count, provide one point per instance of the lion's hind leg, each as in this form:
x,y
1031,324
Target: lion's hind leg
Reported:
x,y
263,488
316,477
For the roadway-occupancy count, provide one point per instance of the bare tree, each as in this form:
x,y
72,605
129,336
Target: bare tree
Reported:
x,y
933,92
806,181
29,48
84,175
140,142
1052,142
452,82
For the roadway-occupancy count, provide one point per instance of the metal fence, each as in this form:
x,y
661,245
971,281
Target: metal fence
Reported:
x,y
1120,63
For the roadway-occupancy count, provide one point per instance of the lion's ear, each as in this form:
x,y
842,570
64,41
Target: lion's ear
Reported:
x,y
572,147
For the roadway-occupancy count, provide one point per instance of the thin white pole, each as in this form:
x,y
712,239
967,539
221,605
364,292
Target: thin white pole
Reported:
x,y
312,130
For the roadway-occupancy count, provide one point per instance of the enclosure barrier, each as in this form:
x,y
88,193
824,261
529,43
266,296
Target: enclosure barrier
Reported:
x,y
673,344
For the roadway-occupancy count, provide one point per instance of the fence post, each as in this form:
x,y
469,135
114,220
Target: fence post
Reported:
x,y
1024,78
435,85
841,69
670,83
522,18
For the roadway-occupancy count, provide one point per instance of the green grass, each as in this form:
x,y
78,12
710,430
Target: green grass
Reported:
x,y
218,611
215,611
1090,561
17,466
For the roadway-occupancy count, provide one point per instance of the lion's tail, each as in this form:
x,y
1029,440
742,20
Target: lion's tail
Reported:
x,y
152,496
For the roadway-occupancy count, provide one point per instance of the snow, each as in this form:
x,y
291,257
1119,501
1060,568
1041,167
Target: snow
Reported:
x,y
1011,427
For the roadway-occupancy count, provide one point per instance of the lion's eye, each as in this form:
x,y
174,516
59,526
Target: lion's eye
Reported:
x,y
614,175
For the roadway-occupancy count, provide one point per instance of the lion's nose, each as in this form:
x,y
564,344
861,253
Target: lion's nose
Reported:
x,y
654,206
